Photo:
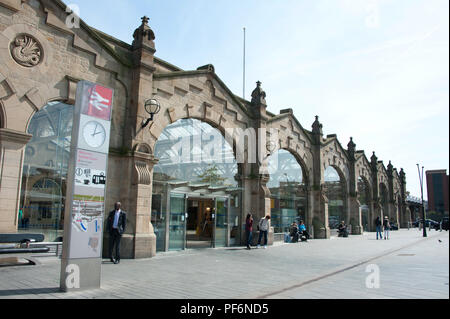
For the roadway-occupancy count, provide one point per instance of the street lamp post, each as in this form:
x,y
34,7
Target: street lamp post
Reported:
x,y
423,207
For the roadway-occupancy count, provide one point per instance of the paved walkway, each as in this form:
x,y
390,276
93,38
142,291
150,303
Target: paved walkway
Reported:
x,y
409,267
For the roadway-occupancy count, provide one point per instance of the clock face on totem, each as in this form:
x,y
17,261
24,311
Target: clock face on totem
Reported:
x,y
94,134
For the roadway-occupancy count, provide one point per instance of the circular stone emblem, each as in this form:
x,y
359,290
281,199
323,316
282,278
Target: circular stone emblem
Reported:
x,y
26,50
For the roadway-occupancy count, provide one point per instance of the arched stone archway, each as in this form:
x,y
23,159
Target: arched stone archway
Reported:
x,y
363,175
46,163
365,202
196,163
335,186
288,186
2,116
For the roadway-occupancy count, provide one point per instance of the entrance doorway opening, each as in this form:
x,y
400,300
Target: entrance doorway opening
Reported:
x,y
200,223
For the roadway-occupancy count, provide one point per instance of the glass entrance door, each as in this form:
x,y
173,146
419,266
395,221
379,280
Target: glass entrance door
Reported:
x,y
221,222
177,222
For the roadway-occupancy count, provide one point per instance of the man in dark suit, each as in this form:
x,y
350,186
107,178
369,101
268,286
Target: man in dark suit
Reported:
x,y
116,224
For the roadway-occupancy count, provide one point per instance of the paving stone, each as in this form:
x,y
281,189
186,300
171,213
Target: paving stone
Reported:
x,y
278,272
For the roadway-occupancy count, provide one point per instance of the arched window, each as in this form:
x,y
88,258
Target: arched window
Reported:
x,y
287,189
364,202
196,198
384,199
335,192
44,171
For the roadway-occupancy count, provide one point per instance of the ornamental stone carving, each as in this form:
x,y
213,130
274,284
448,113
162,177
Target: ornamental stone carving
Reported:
x,y
26,50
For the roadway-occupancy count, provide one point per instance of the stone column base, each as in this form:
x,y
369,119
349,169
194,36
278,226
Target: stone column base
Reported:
x,y
322,233
133,246
357,230
144,246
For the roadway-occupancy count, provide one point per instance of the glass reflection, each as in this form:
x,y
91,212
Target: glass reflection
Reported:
x,y
288,191
364,198
44,172
193,158
384,199
194,152
335,193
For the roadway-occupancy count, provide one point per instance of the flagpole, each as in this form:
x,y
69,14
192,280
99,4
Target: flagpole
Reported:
x,y
243,84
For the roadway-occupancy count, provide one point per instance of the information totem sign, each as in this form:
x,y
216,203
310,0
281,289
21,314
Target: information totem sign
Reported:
x,y
86,182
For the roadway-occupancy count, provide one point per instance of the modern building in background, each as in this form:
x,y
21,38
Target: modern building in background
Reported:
x,y
181,179
437,190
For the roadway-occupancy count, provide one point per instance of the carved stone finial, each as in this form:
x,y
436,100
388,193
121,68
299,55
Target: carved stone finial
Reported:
x,y
143,34
317,126
390,169
258,95
351,147
145,20
402,176
26,50
374,161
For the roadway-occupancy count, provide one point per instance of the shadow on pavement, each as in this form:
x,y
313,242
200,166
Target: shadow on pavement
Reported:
x,y
31,291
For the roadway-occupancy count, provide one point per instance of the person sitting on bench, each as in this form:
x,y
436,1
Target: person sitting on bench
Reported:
x,y
294,232
342,230
302,230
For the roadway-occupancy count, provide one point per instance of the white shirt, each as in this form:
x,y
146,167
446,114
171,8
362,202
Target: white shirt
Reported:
x,y
116,218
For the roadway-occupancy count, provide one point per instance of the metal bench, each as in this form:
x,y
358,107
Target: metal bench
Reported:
x,y
22,239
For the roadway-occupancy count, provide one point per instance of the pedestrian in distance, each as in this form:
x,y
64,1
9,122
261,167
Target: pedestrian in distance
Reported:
x,y
249,230
378,225
263,228
20,218
116,224
386,227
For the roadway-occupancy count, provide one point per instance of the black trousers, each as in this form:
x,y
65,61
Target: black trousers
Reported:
x,y
114,240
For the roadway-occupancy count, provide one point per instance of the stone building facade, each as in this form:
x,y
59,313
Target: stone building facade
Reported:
x,y
41,61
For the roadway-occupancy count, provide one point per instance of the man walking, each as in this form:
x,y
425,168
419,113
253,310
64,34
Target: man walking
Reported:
x,y
378,227
248,230
264,225
116,224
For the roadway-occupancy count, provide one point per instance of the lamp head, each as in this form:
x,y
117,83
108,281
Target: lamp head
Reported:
x,y
152,107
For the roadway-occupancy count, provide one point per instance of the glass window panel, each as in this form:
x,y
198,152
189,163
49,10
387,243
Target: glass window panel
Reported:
x,y
177,222
335,193
288,191
44,173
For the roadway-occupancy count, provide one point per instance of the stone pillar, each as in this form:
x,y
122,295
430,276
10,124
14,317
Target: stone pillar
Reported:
x,y
257,195
404,210
140,240
355,216
142,183
393,212
319,201
372,216
376,204
320,211
353,202
12,144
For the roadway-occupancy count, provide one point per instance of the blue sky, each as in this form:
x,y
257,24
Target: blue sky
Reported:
x,y
376,70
